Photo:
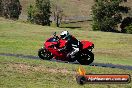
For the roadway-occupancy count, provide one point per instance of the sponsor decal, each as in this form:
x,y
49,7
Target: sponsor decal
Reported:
x,y
83,78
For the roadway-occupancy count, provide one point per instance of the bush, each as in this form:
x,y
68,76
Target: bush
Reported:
x,y
125,22
10,9
106,15
31,11
40,13
1,8
129,29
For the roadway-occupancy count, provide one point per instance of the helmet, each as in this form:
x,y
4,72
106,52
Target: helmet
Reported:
x,y
64,34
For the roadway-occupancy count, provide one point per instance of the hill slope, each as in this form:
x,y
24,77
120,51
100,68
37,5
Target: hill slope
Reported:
x,y
26,39
21,38
28,73
70,7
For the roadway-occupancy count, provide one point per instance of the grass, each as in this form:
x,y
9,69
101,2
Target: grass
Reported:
x,y
27,73
21,38
86,25
70,7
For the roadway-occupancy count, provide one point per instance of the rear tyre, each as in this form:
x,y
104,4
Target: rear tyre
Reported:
x,y
44,54
86,58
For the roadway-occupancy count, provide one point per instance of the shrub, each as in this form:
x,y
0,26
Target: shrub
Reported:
x,y
10,9
129,29
107,14
40,13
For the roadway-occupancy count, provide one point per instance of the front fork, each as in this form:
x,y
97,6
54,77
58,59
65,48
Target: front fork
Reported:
x,y
91,48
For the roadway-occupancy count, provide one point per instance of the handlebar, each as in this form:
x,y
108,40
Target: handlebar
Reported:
x,y
55,36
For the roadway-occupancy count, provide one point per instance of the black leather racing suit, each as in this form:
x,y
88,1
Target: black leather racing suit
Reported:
x,y
72,45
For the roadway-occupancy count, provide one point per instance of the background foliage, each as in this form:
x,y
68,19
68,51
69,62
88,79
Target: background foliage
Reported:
x,y
40,13
107,14
10,9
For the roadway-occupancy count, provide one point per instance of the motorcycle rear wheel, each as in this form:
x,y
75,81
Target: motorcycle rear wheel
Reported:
x,y
86,59
44,54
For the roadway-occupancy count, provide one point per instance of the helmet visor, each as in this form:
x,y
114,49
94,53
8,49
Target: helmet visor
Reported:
x,y
62,36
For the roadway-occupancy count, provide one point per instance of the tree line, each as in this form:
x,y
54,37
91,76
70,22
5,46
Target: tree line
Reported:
x,y
10,9
107,14
38,13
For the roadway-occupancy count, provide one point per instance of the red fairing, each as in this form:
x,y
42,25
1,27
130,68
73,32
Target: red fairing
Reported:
x,y
53,46
86,44
62,43
48,43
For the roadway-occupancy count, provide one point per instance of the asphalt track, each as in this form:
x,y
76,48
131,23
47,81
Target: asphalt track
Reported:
x,y
125,67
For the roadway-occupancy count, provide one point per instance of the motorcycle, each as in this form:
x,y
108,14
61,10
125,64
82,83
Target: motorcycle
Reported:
x,y
54,48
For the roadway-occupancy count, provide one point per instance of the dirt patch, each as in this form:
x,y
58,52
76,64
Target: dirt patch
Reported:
x,y
25,69
21,68
52,70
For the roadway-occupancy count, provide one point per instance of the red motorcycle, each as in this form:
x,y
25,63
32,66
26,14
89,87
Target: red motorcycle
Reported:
x,y
53,49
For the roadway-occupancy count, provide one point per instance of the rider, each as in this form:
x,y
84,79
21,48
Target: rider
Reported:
x,y
72,42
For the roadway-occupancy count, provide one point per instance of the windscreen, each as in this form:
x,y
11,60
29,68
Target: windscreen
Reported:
x,y
52,40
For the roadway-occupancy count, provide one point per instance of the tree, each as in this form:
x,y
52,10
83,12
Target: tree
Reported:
x,y
129,28
1,8
40,13
126,25
31,11
10,9
14,9
57,14
107,14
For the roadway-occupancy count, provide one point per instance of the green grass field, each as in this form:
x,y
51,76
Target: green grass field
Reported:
x,y
28,73
24,38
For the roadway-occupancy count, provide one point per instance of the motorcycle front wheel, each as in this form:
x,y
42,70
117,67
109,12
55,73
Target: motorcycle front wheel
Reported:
x,y
44,54
86,58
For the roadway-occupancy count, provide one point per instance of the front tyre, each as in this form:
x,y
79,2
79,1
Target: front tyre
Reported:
x,y
86,58
44,54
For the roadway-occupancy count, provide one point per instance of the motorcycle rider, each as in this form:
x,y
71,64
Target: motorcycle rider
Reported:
x,y
72,43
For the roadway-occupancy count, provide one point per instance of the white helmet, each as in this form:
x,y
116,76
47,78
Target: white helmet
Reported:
x,y
64,34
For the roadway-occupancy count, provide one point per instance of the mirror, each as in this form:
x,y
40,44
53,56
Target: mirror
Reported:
x,y
54,33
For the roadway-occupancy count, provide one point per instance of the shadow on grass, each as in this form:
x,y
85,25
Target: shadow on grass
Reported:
x,y
71,27
124,67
